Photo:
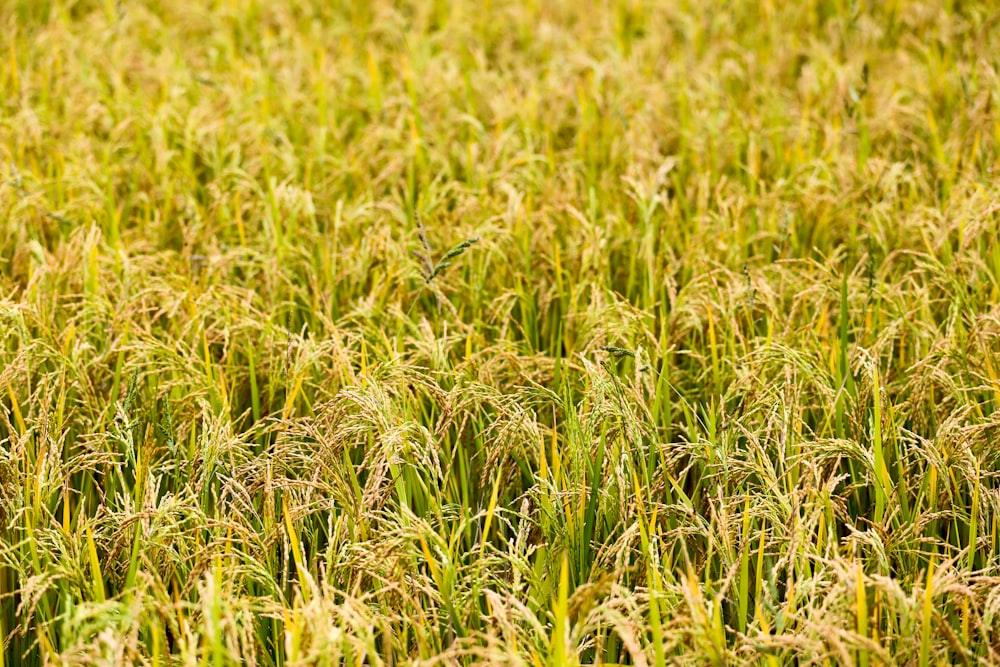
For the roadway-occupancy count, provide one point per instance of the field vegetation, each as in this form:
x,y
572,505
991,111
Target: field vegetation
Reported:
x,y
525,332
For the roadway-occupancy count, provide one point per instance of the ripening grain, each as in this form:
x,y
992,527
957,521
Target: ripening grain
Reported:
x,y
523,332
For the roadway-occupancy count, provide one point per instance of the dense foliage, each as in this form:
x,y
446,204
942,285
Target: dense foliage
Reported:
x,y
534,332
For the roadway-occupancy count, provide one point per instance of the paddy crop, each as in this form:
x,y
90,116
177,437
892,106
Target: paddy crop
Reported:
x,y
528,332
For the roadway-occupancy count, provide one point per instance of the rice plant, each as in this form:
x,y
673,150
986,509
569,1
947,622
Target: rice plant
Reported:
x,y
512,332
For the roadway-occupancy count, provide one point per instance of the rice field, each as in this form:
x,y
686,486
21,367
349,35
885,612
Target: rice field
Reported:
x,y
499,332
